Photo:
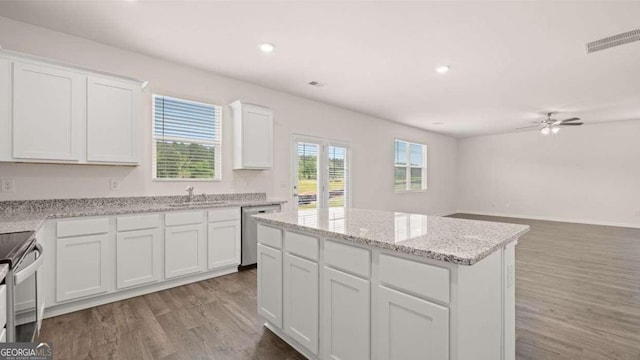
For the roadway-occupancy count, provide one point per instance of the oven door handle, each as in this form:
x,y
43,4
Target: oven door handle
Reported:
x,y
25,273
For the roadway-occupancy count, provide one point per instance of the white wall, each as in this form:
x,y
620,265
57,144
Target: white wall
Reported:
x,y
371,138
587,174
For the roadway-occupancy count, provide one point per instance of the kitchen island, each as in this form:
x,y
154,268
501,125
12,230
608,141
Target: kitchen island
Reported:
x,y
364,284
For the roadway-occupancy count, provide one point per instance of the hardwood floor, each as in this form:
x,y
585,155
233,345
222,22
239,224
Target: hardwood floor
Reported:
x,y
577,297
577,291
211,319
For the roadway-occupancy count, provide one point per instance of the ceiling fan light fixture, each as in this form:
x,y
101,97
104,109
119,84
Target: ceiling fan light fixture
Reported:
x,y
545,131
555,129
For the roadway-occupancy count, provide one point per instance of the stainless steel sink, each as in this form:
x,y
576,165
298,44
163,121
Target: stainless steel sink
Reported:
x,y
197,203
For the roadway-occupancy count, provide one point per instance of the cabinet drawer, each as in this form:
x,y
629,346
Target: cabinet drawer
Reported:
x,y
351,259
3,306
183,218
138,222
418,278
302,245
270,236
224,214
82,227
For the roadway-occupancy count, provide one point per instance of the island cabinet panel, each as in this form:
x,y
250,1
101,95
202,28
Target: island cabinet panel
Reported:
x,y
223,244
185,250
414,277
270,284
48,110
346,328
82,266
410,328
348,258
301,296
138,258
270,236
302,245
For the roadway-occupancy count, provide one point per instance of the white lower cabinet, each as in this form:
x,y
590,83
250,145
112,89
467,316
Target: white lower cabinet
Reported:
x,y
346,316
82,266
137,257
223,244
300,302
185,250
410,328
270,284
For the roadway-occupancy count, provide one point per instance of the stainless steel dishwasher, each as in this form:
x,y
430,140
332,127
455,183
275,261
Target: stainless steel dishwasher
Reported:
x,y
250,232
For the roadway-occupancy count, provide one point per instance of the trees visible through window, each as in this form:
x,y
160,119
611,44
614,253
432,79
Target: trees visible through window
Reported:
x,y
186,139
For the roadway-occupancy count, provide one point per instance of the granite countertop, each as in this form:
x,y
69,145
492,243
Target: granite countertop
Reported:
x,y
458,241
29,215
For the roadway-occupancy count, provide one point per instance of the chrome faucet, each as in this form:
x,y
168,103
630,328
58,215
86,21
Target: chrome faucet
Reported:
x,y
189,189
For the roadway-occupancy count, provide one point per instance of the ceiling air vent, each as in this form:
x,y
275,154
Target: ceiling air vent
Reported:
x,y
612,41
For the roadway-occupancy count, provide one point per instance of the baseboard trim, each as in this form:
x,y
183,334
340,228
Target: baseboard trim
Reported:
x,y
547,218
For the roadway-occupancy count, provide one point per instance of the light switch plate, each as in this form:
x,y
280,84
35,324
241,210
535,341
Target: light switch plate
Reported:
x,y
8,185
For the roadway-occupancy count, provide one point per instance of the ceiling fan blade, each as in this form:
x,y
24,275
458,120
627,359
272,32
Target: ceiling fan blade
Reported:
x,y
528,127
570,124
572,119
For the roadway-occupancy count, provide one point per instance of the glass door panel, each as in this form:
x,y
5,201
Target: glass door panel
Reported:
x,y
337,176
308,180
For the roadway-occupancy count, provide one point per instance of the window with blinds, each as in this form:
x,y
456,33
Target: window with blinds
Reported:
x,y
410,166
186,139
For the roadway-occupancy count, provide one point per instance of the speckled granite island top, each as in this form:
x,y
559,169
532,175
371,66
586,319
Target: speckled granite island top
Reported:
x,y
28,215
458,241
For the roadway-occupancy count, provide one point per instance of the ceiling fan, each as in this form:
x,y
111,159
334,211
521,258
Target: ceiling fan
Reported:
x,y
552,126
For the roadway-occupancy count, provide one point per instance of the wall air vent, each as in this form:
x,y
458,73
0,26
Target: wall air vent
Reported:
x,y
317,84
612,41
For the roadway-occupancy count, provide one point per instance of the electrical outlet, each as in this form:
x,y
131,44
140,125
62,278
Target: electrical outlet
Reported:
x,y
8,185
114,184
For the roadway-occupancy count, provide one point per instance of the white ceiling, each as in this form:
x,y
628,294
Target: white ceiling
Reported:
x,y
509,60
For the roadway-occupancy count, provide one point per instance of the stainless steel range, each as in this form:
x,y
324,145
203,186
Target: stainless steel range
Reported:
x,y
24,256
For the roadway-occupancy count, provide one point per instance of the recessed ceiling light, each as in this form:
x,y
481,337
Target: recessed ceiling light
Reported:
x,y
443,69
267,47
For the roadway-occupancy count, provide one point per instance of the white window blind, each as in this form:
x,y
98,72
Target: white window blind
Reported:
x,y
186,139
410,166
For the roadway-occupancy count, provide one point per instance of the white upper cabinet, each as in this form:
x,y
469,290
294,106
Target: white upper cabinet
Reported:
x,y
253,136
48,111
112,119
56,113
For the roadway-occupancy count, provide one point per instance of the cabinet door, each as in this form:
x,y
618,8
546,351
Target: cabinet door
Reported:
x,y
112,119
137,258
257,132
346,319
270,284
48,113
184,250
411,328
224,244
81,266
301,301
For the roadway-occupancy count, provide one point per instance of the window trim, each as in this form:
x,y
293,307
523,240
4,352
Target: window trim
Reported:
x,y
407,167
216,144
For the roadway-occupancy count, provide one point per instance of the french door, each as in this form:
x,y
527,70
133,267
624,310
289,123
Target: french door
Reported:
x,y
320,173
